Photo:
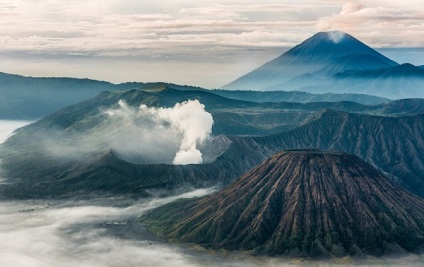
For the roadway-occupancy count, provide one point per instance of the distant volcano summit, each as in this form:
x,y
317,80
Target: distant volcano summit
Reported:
x,y
301,203
323,54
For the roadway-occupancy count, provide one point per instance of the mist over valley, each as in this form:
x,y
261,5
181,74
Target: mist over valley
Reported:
x,y
204,134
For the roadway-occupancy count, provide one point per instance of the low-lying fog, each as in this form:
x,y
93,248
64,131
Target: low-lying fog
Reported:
x,y
8,126
105,232
42,233
49,233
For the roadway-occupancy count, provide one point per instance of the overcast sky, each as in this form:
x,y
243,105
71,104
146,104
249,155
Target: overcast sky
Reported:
x,y
206,43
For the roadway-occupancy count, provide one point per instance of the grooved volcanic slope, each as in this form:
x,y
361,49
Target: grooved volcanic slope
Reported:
x,y
393,145
301,203
320,55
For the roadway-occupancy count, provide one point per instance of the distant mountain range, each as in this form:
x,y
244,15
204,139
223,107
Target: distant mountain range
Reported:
x,y
300,203
328,67
31,98
331,62
297,96
388,136
28,98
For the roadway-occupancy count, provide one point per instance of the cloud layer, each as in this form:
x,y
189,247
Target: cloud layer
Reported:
x,y
184,33
70,234
67,234
113,28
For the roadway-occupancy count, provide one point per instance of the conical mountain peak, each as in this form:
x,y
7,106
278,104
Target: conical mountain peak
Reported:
x,y
331,37
301,203
321,56
335,37
331,47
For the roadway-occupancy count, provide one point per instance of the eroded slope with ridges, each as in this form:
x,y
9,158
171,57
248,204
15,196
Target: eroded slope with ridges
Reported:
x,y
304,203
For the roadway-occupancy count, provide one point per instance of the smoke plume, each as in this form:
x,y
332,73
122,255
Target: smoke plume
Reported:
x,y
336,36
164,132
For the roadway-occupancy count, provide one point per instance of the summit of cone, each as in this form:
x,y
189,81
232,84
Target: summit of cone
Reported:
x,y
301,203
323,54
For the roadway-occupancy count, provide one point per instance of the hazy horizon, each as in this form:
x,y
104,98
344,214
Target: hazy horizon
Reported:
x,y
204,43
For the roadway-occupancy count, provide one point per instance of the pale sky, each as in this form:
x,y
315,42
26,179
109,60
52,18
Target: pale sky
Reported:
x,y
205,43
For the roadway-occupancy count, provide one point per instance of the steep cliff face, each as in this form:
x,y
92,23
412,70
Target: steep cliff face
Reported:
x,y
301,203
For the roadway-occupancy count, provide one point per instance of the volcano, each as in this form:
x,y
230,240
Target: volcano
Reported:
x,y
321,56
300,203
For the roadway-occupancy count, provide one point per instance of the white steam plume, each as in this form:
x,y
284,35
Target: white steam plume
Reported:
x,y
336,36
188,124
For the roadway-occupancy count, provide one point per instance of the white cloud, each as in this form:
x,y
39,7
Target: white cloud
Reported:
x,y
151,30
379,23
351,7
195,31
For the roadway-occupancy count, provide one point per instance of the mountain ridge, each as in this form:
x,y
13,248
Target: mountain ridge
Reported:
x,y
28,98
391,144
